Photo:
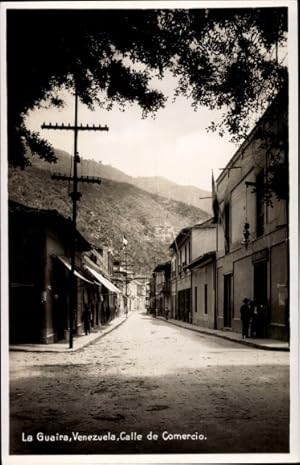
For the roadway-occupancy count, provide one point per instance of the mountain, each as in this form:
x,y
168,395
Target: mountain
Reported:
x,y
107,211
190,195
159,185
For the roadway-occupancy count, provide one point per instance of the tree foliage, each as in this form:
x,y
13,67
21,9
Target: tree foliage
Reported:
x,y
223,59
273,141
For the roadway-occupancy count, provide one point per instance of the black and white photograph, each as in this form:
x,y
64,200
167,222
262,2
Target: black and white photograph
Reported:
x,y
149,232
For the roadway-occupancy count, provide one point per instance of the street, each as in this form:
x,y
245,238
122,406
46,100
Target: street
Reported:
x,y
150,387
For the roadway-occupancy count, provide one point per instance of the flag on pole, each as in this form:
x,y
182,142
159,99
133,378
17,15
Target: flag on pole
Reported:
x,y
125,241
215,202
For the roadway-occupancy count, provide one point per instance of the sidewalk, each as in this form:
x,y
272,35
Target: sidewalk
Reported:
x,y
79,342
265,344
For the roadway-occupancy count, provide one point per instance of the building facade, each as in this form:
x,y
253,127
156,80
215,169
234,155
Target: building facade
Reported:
x,y
136,295
190,244
39,275
103,298
203,290
160,289
40,278
252,233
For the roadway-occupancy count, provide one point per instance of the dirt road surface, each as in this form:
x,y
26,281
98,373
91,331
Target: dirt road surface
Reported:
x,y
139,388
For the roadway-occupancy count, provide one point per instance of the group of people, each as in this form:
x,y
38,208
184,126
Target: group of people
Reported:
x,y
253,317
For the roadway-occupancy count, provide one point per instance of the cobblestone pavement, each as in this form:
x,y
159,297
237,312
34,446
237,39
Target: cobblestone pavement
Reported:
x,y
145,378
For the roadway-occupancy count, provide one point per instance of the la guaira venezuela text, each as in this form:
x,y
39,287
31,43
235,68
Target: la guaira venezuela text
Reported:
x,y
122,436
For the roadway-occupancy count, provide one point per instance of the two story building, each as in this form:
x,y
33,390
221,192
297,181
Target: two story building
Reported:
x,y
252,232
192,283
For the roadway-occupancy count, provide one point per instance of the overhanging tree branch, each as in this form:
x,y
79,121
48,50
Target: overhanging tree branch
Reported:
x,y
116,53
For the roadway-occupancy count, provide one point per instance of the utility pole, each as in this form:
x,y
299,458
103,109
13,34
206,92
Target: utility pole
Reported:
x,y
126,282
125,244
75,196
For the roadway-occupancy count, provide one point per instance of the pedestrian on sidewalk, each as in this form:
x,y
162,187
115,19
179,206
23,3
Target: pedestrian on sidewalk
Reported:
x,y
86,319
118,310
167,313
245,317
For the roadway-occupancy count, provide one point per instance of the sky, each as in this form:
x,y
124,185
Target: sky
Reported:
x,y
175,144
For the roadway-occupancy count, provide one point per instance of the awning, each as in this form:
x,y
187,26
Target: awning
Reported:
x,y
67,264
108,284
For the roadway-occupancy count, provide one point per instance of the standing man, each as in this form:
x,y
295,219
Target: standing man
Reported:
x,y
86,319
167,313
245,316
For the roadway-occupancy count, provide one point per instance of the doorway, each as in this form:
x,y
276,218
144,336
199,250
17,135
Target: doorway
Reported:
x,y
227,300
261,282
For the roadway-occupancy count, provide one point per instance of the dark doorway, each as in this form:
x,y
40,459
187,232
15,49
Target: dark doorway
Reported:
x,y
184,305
227,300
24,314
261,282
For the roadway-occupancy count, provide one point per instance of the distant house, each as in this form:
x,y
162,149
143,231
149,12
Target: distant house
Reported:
x,y
161,287
180,276
203,290
121,278
252,252
136,291
39,275
190,244
105,295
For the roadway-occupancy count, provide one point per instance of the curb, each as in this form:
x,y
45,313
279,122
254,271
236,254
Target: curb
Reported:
x,y
109,330
68,350
224,336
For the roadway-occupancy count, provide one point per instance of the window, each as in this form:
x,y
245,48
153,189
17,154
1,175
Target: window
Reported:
x,y
139,290
174,266
205,298
260,204
183,256
93,258
196,298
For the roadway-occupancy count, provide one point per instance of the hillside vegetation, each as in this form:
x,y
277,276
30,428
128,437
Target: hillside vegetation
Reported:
x,y
107,211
